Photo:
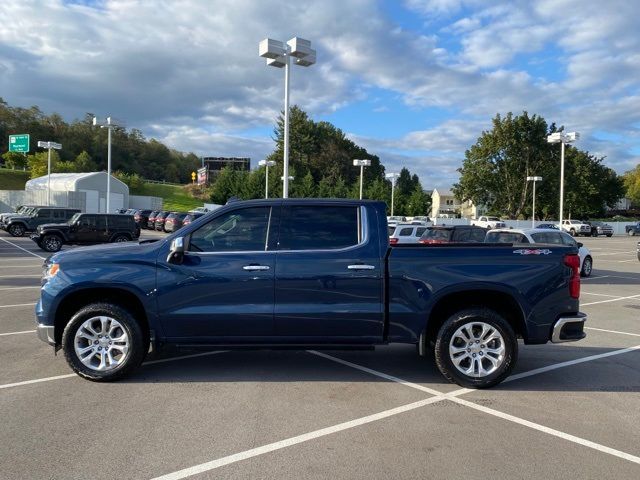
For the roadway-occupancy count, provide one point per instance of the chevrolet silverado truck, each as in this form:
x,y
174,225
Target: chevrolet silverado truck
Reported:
x,y
632,230
489,222
296,273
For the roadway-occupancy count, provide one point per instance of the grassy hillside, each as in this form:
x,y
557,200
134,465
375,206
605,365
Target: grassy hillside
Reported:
x,y
175,197
13,179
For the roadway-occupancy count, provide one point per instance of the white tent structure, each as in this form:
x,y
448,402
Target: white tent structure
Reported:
x,y
93,184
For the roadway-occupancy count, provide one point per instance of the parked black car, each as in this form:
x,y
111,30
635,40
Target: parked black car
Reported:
x,y
160,218
191,217
87,229
453,234
19,224
151,222
632,230
142,217
548,225
174,221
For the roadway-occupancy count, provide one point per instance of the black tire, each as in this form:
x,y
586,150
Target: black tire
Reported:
x,y
631,232
121,237
16,230
609,235
135,354
587,267
572,232
469,316
51,243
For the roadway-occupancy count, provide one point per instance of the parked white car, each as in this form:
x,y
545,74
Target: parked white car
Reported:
x,y
543,235
489,222
406,233
576,227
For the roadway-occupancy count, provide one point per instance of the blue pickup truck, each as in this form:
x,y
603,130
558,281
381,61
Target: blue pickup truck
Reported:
x,y
299,273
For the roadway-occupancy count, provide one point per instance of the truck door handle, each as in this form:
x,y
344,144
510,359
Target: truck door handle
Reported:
x,y
360,266
253,268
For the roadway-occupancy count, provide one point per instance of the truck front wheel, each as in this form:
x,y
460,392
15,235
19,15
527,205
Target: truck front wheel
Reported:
x,y
51,243
103,342
476,348
16,230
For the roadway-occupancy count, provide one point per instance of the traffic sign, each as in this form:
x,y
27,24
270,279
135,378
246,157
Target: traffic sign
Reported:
x,y
19,143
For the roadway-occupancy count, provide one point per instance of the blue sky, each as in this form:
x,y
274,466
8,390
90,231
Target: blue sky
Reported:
x,y
413,81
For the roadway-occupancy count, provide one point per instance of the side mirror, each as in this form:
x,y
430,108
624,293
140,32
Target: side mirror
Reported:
x,y
580,244
176,254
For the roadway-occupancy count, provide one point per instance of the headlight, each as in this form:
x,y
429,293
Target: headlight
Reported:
x,y
49,271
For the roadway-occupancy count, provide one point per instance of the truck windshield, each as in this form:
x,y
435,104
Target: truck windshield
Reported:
x,y
74,218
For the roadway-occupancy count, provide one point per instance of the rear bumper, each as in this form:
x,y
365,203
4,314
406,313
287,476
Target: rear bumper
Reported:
x,y
569,328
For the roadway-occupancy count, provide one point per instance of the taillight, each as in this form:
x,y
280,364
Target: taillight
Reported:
x,y
393,241
573,260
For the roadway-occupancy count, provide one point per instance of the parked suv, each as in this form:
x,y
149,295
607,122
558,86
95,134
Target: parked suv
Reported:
x,y
453,234
632,230
405,233
141,217
151,222
86,229
174,221
160,218
18,225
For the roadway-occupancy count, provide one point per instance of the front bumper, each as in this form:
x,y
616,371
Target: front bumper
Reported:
x,y
46,334
569,328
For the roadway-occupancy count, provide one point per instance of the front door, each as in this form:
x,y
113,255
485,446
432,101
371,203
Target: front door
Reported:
x,y
224,288
87,229
329,276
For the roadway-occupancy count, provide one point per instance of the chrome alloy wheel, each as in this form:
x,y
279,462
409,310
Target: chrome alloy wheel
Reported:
x,y
477,349
52,243
101,343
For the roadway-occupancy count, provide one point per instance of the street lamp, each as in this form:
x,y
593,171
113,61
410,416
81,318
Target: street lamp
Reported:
x,y
562,138
278,54
533,213
361,164
49,146
109,123
266,164
392,177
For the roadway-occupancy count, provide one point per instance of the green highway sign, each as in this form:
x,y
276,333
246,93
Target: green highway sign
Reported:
x,y
19,143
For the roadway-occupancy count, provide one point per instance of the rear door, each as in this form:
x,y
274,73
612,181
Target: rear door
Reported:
x,y
329,276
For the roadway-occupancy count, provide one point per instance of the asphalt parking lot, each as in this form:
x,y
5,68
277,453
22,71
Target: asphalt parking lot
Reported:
x,y
569,411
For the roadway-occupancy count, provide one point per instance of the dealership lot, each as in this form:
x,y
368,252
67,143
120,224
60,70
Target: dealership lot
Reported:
x,y
570,410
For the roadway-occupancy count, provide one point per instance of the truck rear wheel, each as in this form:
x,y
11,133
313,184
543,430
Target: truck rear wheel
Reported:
x,y
476,348
103,342
16,230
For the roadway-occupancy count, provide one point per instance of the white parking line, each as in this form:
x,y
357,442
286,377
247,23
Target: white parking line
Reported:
x,y
610,300
23,249
612,331
18,305
19,275
288,442
70,375
599,294
16,333
18,288
594,277
35,265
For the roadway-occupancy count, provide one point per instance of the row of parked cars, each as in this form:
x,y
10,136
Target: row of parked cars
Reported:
x,y
163,220
408,234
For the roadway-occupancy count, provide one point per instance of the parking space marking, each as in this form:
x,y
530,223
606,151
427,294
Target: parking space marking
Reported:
x,y
568,363
550,431
70,375
610,300
598,294
23,249
18,288
16,333
612,331
18,305
14,276
288,442
592,277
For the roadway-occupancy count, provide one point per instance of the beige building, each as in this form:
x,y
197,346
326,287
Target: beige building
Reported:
x,y
445,204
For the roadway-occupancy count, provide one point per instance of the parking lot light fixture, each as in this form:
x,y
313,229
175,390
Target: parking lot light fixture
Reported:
x,y
361,164
109,123
562,138
49,146
533,210
392,177
266,164
279,54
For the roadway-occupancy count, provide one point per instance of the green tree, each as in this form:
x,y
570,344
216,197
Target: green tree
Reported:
x,y
307,187
418,203
632,185
15,160
83,163
38,163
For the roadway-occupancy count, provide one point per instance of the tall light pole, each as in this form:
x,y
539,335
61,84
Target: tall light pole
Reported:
x,y
533,213
361,164
392,177
562,138
49,146
278,54
266,164
109,124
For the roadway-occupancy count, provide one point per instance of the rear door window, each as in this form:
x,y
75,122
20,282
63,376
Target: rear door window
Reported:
x,y
406,232
319,228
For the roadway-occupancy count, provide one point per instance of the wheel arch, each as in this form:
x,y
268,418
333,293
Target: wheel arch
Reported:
x,y
78,299
500,301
